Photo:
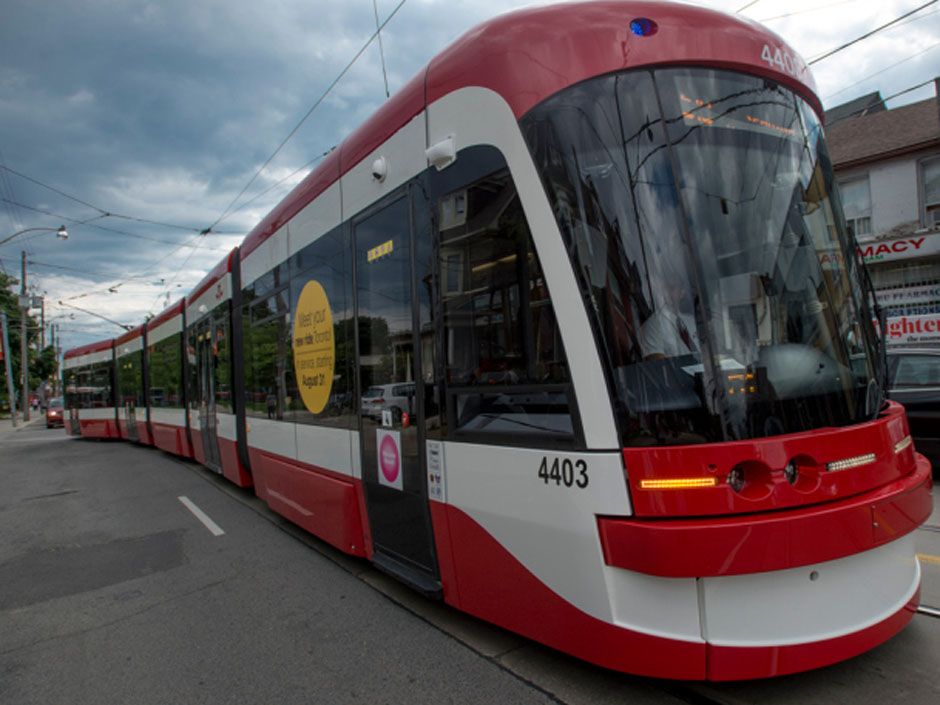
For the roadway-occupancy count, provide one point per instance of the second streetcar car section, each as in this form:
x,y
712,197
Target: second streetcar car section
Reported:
x,y
169,421
569,335
133,412
212,354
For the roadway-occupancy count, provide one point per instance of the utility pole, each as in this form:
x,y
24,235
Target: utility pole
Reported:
x,y
24,351
5,343
55,351
42,324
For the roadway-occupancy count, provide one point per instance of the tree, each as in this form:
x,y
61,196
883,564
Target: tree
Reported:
x,y
9,302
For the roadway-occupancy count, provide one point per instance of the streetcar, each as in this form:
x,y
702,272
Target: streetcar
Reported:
x,y
596,254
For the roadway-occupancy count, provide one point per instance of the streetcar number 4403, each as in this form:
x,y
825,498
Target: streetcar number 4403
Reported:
x,y
564,471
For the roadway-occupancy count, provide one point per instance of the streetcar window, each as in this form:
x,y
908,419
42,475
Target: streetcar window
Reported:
x,y
89,386
165,365
698,210
267,362
326,261
504,363
130,380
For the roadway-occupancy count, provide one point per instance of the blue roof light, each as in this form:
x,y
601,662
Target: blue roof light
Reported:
x,y
643,27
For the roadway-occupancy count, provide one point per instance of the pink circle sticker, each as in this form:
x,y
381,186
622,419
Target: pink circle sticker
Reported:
x,y
388,459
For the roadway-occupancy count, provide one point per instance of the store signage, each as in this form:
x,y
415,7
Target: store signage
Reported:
x,y
906,295
914,329
905,248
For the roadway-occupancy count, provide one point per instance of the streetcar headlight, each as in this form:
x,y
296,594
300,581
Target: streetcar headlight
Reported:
x,y
902,444
678,483
853,462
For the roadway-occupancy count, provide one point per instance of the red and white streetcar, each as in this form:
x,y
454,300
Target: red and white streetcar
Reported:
x,y
633,406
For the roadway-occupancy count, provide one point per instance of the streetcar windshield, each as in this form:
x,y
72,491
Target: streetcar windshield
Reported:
x,y
698,208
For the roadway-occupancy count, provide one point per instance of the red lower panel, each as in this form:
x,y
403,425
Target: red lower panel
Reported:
x,y
199,453
172,439
99,428
498,588
143,433
232,467
322,502
495,586
741,663
445,553
735,545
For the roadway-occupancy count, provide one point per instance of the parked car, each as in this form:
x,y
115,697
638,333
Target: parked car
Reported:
x,y
914,381
55,413
396,397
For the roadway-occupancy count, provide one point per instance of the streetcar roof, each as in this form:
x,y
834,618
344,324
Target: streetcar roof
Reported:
x,y
170,312
97,346
130,335
519,56
214,275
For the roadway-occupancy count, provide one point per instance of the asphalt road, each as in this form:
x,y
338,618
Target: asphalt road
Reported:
x,y
112,590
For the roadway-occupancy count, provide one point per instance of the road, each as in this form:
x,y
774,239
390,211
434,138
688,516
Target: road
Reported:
x,y
113,590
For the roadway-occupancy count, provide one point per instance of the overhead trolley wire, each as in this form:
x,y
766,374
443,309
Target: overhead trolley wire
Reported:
x,y
315,105
78,270
375,7
869,34
104,212
886,68
125,326
231,206
275,185
89,222
884,100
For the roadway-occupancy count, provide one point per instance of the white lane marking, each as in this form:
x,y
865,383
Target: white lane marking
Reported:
x,y
201,516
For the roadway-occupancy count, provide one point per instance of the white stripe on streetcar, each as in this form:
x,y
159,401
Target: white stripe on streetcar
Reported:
x,y
201,516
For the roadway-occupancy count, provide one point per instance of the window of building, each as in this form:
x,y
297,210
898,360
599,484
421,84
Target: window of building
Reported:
x,y
931,173
856,203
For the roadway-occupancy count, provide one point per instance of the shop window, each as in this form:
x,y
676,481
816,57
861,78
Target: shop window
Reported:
x,y
931,174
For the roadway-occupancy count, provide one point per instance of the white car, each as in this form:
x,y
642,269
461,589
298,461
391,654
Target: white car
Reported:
x,y
388,396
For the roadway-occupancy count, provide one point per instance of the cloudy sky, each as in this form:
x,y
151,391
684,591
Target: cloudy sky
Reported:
x,y
164,110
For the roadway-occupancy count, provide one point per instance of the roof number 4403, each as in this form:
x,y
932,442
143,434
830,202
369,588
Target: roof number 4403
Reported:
x,y
779,59
564,471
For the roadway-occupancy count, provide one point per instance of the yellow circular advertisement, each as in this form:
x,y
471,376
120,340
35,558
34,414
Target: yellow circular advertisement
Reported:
x,y
314,346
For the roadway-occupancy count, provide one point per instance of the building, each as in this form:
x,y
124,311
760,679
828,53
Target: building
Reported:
x,y
887,163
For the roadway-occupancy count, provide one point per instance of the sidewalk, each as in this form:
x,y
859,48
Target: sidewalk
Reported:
x,y
6,426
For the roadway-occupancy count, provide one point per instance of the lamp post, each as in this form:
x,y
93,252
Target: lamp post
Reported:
x,y
62,234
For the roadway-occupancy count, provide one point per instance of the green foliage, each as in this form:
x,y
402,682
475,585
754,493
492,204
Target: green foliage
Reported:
x,y
41,364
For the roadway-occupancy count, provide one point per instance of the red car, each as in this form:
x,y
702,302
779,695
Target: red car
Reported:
x,y
55,413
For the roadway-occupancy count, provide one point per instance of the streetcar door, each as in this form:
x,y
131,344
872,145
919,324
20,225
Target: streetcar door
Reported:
x,y
390,415
130,418
206,360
